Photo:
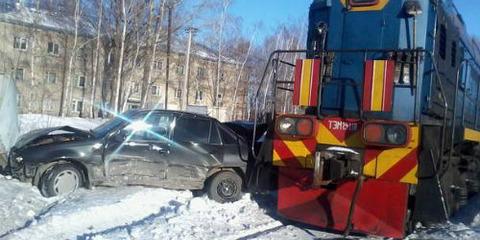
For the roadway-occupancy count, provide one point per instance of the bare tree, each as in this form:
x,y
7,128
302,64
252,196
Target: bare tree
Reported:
x,y
240,74
96,58
225,5
120,58
68,85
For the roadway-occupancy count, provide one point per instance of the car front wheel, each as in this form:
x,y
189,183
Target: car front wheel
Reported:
x,y
224,187
60,179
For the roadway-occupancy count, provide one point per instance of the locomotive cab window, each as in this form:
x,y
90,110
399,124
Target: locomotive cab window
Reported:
x,y
362,3
454,54
443,42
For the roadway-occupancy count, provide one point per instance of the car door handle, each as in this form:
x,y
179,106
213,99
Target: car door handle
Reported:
x,y
161,150
136,144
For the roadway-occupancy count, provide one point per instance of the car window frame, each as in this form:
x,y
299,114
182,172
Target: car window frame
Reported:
x,y
169,129
214,127
230,132
177,117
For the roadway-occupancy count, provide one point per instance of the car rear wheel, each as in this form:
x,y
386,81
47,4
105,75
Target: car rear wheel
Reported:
x,y
60,179
224,187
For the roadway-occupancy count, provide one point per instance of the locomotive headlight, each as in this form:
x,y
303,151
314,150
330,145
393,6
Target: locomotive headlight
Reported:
x,y
296,127
413,8
396,135
386,134
287,126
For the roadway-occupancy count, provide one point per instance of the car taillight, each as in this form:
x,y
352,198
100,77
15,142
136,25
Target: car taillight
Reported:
x,y
296,126
390,134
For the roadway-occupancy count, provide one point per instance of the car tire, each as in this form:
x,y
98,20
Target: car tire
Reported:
x,y
225,186
60,179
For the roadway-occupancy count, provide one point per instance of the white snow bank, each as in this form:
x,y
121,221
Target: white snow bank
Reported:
x,y
19,203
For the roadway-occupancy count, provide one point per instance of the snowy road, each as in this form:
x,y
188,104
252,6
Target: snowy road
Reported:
x,y
132,213
152,213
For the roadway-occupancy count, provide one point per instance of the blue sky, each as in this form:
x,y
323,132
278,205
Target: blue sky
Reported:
x,y
273,12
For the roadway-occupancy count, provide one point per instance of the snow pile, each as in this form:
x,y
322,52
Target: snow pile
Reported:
x,y
19,203
201,218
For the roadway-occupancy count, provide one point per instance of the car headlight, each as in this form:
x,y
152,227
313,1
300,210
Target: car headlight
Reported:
x,y
19,159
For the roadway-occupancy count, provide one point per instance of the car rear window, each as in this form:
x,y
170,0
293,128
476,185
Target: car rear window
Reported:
x,y
191,130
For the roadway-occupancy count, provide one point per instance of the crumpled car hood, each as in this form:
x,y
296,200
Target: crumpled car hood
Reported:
x,y
35,134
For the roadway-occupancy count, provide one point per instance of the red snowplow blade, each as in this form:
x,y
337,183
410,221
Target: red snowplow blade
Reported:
x,y
380,209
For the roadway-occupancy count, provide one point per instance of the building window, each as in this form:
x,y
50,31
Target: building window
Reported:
x,y
198,95
220,99
51,77
19,100
155,90
178,93
18,74
77,106
201,72
136,87
52,48
20,43
81,82
180,70
158,65
443,42
133,106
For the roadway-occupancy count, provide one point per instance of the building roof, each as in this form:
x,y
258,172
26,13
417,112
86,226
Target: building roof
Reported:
x,y
199,50
42,19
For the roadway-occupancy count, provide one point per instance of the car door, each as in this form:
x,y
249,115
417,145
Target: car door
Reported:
x,y
196,149
137,154
235,149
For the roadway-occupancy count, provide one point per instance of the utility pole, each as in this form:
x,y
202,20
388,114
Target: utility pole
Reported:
x,y
169,42
191,31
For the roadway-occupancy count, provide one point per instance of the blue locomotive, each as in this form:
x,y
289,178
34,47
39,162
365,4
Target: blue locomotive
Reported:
x,y
386,127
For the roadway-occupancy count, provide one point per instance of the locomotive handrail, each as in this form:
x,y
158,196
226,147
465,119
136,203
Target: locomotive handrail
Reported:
x,y
465,62
258,93
445,104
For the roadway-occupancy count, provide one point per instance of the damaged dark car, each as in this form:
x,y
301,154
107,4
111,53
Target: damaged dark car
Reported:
x,y
167,149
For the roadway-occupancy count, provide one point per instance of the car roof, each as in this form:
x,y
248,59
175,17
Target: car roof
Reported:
x,y
182,113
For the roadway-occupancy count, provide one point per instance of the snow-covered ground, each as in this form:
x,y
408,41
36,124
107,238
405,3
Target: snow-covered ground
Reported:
x,y
153,213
